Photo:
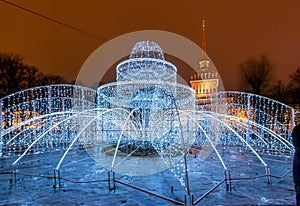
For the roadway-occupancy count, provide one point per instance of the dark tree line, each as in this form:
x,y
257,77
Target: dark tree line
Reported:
x,y
256,78
15,75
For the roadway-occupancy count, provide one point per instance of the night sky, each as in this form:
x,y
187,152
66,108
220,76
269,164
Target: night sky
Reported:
x,y
235,31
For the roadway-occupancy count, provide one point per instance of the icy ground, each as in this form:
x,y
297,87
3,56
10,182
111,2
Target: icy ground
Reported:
x,y
203,175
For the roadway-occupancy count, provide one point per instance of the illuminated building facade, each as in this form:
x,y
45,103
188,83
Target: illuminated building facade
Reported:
x,y
206,81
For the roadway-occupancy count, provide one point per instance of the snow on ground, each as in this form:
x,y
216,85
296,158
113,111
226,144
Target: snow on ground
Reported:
x,y
203,175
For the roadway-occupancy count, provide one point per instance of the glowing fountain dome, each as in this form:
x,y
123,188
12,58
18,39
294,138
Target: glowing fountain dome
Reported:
x,y
144,121
147,49
146,62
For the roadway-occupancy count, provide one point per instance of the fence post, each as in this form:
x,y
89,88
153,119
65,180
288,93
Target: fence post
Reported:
x,y
188,199
59,183
14,175
268,175
114,177
228,180
54,177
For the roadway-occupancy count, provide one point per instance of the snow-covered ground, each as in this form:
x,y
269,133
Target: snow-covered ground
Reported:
x,y
203,175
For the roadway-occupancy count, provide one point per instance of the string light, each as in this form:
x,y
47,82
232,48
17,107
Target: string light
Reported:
x,y
144,118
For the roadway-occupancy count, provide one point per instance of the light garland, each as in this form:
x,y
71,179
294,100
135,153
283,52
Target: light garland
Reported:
x,y
145,117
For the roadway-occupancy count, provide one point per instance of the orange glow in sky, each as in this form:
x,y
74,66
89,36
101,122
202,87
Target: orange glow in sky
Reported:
x,y
235,31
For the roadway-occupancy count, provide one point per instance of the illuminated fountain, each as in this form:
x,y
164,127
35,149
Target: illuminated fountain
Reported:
x,y
146,123
144,118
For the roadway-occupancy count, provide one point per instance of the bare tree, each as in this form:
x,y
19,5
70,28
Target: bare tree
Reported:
x,y
256,75
13,74
52,79
294,86
16,75
33,76
280,92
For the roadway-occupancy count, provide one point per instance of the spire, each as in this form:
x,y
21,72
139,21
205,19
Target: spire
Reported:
x,y
203,39
204,62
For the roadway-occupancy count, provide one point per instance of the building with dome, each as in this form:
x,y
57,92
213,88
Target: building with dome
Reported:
x,y
206,81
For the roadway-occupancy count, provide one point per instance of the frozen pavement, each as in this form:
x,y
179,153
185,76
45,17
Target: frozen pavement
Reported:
x,y
203,175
